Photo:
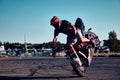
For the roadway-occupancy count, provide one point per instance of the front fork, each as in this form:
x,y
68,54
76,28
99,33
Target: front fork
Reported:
x,y
76,58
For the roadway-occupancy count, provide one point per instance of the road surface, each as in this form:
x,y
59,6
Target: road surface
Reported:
x,y
49,68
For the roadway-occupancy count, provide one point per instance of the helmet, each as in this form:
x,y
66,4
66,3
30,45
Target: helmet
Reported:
x,y
54,20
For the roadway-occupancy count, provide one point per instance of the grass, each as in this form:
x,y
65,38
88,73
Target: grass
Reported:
x,y
106,55
3,56
94,55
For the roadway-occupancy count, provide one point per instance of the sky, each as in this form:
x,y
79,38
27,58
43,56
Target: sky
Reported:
x,y
31,18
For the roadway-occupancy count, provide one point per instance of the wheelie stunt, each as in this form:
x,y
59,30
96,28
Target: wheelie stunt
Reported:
x,y
78,48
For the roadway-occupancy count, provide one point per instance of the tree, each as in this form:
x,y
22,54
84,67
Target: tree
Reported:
x,y
113,42
0,43
112,35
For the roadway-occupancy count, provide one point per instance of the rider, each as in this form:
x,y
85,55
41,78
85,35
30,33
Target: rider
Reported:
x,y
64,26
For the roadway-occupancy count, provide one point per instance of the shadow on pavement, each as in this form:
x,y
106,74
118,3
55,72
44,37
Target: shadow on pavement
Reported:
x,y
43,77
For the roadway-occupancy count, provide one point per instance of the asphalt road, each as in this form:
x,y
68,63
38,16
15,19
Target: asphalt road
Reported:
x,y
48,68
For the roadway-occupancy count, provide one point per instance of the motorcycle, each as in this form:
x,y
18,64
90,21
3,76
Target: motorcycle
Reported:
x,y
79,56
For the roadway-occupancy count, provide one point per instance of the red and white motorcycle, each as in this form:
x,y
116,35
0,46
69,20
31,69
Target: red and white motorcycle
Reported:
x,y
81,57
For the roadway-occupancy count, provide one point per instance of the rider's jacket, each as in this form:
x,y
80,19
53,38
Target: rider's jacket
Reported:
x,y
64,28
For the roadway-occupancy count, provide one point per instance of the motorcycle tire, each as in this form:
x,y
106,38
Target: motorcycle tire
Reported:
x,y
79,70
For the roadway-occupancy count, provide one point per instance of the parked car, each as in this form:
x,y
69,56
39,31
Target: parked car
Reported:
x,y
105,49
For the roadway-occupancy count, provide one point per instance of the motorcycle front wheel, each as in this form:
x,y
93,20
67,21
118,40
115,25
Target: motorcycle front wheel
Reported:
x,y
79,70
